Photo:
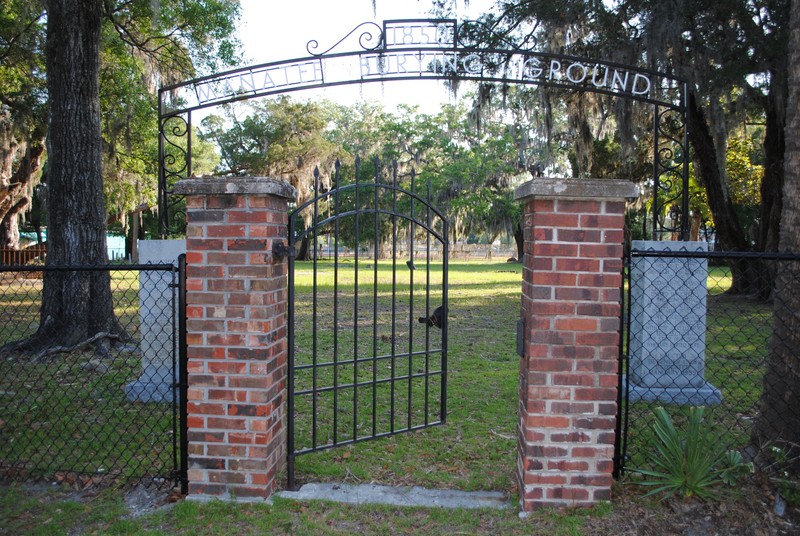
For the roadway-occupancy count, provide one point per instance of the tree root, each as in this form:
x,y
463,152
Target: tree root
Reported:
x,y
52,350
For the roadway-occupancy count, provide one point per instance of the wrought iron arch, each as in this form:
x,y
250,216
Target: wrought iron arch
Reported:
x,y
435,49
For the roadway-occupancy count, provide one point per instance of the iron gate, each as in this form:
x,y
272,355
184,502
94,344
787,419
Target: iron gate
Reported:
x,y
367,310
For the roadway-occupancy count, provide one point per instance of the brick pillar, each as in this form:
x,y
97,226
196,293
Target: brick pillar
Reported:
x,y
236,334
570,308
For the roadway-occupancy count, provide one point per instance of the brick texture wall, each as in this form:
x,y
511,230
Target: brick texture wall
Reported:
x,y
236,336
568,373
237,351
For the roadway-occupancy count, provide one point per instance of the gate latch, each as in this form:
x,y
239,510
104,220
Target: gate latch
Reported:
x,y
281,250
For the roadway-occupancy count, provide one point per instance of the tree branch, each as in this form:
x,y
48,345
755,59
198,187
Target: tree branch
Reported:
x,y
17,37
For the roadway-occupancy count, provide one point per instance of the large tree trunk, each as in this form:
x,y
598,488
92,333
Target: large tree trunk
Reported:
x,y
772,182
746,273
76,305
726,222
519,238
779,418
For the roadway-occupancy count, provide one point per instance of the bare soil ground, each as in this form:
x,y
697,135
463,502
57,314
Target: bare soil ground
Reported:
x,y
746,511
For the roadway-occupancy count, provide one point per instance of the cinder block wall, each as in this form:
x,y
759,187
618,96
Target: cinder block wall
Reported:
x,y
570,308
236,334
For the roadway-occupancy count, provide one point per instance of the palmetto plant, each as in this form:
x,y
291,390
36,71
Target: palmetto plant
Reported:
x,y
689,463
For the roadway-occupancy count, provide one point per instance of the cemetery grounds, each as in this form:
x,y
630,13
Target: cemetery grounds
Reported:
x,y
475,450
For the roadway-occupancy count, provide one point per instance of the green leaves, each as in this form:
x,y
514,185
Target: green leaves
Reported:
x,y
689,463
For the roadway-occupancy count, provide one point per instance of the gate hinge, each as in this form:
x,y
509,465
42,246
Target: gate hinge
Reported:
x,y
281,250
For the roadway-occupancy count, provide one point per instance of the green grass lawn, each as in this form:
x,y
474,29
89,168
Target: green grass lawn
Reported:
x,y
474,450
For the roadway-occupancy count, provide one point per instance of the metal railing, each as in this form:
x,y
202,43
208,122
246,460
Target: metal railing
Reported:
x,y
31,255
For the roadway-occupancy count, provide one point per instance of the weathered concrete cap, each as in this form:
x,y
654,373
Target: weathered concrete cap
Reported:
x,y
209,184
577,189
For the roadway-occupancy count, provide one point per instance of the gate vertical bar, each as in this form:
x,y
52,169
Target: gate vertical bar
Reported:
x,y
445,312
411,307
427,301
336,176
189,144
375,236
290,416
394,294
314,339
355,303
656,175
685,222
621,443
161,196
621,429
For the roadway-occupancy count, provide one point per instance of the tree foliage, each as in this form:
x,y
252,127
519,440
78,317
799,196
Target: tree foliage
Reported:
x,y
472,173
22,111
732,52
143,45
102,61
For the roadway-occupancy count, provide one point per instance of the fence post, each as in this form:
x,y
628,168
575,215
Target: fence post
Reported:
x,y
236,334
570,320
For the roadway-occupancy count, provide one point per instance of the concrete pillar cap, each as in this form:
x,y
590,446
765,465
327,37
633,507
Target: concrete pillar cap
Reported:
x,y
214,185
577,189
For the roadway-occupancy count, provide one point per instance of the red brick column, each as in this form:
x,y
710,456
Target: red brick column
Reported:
x,y
236,334
570,308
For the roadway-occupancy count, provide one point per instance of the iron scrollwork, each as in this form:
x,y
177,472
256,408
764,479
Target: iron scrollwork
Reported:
x,y
370,32
670,188
175,164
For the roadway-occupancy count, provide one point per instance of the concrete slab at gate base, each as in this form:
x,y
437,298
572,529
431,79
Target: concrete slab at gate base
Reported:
x,y
398,496
158,331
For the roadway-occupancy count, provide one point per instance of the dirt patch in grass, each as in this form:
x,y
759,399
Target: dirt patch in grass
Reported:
x,y
747,511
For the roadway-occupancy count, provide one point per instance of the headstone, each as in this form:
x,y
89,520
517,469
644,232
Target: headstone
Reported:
x,y
158,330
668,326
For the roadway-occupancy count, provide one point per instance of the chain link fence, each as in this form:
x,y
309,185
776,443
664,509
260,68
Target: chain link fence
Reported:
x,y
99,405
719,330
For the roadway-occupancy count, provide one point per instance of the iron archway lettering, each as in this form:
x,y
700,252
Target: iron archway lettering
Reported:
x,y
435,49
519,68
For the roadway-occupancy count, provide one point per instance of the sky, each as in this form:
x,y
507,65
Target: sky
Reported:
x,y
273,30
